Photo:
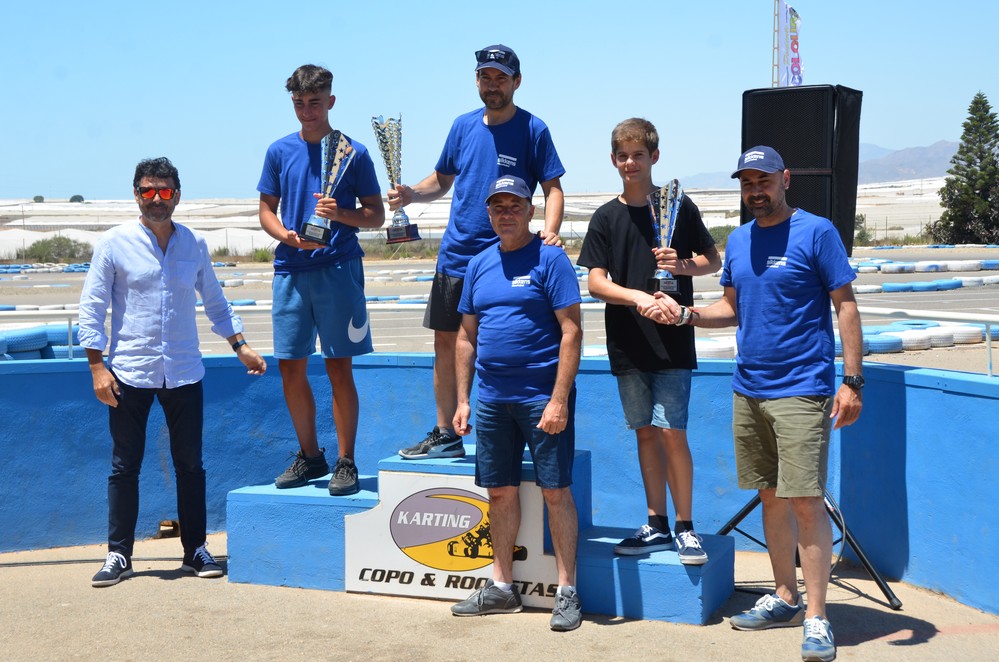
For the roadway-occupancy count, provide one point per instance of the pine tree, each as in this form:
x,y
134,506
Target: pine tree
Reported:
x,y
970,195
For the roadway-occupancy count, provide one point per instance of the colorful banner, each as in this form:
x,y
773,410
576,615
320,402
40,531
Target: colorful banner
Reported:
x,y
788,51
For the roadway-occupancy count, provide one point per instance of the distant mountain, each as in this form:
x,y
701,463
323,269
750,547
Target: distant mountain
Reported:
x,y
877,164
910,163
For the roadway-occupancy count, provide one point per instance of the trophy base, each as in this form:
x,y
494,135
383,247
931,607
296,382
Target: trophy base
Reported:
x,y
397,234
315,229
668,286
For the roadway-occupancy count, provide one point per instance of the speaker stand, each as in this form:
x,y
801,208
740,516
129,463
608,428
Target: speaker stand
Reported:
x,y
837,518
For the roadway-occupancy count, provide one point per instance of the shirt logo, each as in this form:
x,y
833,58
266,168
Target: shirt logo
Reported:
x,y
506,161
357,334
521,281
776,261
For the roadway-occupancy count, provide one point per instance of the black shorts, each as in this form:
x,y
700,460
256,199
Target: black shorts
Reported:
x,y
442,307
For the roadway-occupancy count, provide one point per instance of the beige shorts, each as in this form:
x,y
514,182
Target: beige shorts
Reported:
x,y
782,444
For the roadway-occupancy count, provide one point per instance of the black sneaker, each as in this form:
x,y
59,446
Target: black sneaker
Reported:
x,y
647,539
437,444
344,480
302,470
201,563
116,568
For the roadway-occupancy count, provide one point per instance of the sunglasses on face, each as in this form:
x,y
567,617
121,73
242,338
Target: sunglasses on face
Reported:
x,y
149,192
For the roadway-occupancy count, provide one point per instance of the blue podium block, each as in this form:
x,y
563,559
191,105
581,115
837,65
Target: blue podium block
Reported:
x,y
291,537
652,586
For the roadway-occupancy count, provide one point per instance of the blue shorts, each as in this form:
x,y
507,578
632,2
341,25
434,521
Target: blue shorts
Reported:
x,y
658,398
503,429
328,302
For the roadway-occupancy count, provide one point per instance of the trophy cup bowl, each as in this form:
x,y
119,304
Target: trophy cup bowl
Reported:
x,y
337,155
389,135
664,207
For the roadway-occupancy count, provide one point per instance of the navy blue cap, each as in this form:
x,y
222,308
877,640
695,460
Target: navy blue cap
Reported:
x,y
499,57
762,158
509,184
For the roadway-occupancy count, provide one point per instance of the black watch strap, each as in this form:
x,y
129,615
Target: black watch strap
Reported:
x,y
854,381
236,345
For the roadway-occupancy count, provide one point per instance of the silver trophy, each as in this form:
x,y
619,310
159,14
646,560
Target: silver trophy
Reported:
x,y
664,206
389,135
337,155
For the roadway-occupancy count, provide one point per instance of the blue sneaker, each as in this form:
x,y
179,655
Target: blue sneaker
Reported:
x,y
770,611
688,548
818,644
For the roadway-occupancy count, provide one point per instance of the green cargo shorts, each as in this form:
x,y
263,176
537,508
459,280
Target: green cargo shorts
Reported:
x,y
782,444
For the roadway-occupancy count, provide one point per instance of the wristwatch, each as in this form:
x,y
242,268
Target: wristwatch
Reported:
x,y
854,381
236,345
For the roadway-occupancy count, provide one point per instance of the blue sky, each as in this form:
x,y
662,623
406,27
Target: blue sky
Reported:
x,y
91,88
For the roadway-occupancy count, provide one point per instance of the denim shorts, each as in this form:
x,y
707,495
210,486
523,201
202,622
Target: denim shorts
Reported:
x,y
782,444
329,302
658,398
502,431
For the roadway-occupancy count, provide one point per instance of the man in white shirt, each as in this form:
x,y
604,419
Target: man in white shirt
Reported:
x,y
150,273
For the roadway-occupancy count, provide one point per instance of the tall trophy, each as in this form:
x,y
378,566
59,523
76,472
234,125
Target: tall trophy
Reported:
x,y
664,206
389,135
337,155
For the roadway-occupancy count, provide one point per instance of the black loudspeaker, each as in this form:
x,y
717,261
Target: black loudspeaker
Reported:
x,y
816,129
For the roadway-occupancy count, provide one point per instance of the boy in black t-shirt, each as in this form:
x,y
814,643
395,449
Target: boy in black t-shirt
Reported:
x,y
651,359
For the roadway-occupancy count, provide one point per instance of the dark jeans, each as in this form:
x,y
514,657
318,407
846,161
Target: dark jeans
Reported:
x,y
184,411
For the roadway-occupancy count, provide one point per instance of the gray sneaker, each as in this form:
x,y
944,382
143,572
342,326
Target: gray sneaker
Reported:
x,y
567,614
344,479
489,600
770,611
688,548
302,470
437,444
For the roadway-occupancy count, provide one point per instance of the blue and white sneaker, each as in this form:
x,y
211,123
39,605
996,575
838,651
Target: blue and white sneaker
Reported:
x,y
646,540
817,644
770,611
688,548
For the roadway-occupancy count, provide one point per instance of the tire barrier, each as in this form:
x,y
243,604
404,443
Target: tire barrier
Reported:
x,y
929,266
963,265
908,325
867,289
715,348
56,334
885,344
948,284
898,268
32,355
914,339
243,302
924,286
25,340
971,281
896,287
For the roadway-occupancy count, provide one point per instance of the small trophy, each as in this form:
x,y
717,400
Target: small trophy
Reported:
x,y
389,135
337,155
664,205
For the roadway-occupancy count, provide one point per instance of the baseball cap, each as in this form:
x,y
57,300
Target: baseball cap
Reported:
x,y
509,184
762,158
499,57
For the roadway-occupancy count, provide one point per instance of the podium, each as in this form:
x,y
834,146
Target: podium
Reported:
x,y
420,529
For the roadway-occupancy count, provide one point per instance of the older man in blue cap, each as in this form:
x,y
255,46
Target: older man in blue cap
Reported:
x,y
520,330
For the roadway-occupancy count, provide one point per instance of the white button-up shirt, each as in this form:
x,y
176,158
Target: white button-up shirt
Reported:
x,y
153,297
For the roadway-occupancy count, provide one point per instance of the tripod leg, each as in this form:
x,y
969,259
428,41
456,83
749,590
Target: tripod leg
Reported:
x,y
739,516
837,519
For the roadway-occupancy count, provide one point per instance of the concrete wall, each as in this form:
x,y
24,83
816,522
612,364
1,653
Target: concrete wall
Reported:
x,y
914,477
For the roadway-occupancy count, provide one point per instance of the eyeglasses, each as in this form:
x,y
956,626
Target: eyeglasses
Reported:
x,y
506,58
149,192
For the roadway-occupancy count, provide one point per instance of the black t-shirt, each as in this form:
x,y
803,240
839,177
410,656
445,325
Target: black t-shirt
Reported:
x,y
619,239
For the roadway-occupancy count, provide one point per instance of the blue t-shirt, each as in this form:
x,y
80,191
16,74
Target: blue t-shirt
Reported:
x,y
515,296
477,155
293,172
782,277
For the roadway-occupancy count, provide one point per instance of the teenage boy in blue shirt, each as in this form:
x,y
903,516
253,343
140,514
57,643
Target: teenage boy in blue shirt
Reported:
x,y
318,288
